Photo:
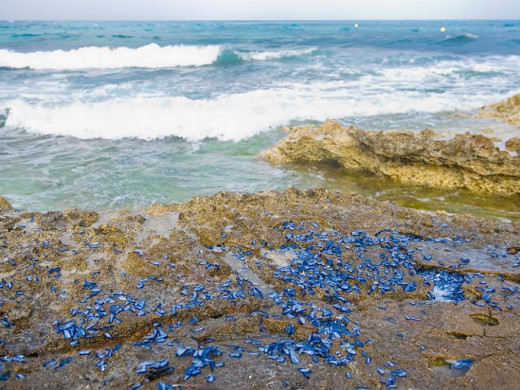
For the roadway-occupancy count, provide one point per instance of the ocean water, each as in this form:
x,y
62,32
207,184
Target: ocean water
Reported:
x,y
123,114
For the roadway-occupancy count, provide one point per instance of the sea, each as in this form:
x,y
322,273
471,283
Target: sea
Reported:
x,y
111,115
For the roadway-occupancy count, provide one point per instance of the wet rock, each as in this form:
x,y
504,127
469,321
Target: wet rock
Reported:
x,y
82,218
513,144
508,110
293,289
4,204
467,161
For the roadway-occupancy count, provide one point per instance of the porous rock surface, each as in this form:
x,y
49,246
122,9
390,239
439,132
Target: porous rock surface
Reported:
x,y
507,110
468,161
513,144
314,289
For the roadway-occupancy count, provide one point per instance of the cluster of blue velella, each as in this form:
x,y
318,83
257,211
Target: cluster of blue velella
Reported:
x,y
449,284
319,264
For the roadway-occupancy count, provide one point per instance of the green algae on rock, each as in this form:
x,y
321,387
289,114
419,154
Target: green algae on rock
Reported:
x,y
468,161
89,299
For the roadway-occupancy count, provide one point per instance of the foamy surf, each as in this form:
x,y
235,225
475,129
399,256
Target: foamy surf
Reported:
x,y
226,117
149,56
73,134
276,54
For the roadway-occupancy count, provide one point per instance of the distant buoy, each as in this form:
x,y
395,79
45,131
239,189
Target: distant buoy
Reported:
x,y
443,29
356,25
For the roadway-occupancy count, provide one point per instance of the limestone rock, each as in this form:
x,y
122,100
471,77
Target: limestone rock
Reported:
x,y
467,161
513,144
4,204
94,296
508,110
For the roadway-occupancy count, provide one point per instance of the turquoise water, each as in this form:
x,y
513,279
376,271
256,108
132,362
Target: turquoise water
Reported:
x,y
113,115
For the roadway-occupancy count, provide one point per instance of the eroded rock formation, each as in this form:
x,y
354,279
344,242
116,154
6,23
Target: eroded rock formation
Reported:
x,y
296,289
508,110
4,204
467,161
513,144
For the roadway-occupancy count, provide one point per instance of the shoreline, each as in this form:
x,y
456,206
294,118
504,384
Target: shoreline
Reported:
x,y
465,171
466,161
376,250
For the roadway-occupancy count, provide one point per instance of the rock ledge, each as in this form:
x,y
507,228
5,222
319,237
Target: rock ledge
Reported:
x,y
467,161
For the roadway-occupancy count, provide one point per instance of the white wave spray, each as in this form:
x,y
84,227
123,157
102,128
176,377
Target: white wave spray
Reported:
x,y
149,56
227,117
272,55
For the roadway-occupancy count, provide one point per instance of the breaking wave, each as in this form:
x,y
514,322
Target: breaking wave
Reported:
x,y
226,117
149,56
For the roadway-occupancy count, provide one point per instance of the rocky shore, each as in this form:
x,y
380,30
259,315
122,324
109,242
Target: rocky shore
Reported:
x,y
314,289
508,110
467,161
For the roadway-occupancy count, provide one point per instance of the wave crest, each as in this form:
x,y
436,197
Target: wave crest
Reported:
x,y
459,39
92,57
149,56
228,57
227,117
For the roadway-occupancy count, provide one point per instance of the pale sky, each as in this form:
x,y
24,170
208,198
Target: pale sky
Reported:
x,y
257,9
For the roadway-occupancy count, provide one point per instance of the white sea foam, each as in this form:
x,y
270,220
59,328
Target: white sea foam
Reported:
x,y
446,69
149,56
271,55
227,117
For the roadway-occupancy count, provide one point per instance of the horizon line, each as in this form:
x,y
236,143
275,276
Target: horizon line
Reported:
x,y
257,20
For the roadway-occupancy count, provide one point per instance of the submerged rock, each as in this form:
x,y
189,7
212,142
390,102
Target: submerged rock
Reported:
x,y
508,110
467,161
311,289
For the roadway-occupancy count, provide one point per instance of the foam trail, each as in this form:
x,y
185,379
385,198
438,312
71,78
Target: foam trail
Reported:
x,y
149,56
227,117
271,55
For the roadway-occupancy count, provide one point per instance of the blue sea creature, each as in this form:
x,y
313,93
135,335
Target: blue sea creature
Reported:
x,y
306,372
461,364
151,365
185,351
193,370
289,329
164,386
63,363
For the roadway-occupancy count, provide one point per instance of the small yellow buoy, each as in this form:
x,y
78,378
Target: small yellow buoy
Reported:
x,y
443,29
356,25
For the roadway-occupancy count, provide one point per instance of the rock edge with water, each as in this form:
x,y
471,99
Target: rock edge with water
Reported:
x,y
468,161
507,110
